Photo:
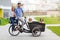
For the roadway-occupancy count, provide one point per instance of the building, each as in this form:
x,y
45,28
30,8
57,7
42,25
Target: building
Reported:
x,y
5,8
39,7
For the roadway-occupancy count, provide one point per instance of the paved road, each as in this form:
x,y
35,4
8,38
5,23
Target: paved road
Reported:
x,y
47,35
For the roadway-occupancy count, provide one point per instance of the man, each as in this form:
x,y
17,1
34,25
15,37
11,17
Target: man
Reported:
x,y
19,12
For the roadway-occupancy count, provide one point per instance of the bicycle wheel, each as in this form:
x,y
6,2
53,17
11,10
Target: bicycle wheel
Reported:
x,y
14,33
36,32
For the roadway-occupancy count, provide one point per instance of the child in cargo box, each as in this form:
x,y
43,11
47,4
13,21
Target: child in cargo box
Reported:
x,y
30,20
41,20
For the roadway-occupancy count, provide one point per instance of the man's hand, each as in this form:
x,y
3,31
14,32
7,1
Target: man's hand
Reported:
x,y
16,18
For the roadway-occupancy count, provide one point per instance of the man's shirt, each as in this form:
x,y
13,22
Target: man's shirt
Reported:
x,y
19,12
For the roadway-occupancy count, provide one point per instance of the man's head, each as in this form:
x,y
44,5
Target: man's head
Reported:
x,y
19,5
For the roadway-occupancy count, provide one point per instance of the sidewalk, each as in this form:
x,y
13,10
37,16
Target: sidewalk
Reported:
x,y
53,25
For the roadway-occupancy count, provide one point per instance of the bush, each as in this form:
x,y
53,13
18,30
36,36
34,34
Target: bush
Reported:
x,y
4,21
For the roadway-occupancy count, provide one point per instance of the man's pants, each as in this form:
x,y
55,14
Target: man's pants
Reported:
x,y
22,21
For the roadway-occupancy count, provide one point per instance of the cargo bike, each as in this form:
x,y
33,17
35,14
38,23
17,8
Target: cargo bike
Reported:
x,y
34,27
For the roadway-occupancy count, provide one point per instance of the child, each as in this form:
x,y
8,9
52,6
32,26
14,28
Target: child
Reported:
x,y
41,20
30,20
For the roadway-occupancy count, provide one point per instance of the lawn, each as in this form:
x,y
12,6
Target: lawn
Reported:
x,y
4,21
50,20
55,29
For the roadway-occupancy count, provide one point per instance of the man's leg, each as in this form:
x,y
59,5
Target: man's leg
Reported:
x,y
21,20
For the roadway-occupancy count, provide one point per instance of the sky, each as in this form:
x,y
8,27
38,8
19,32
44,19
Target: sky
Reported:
x,y
37,4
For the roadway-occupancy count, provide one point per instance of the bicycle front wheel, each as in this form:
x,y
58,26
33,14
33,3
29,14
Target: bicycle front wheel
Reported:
x,y
14,33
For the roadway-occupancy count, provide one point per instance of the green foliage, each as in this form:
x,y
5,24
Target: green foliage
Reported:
x,y
4,21
55,29
49,20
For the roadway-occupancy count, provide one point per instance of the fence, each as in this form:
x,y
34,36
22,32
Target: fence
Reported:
x,y
35,13
38,13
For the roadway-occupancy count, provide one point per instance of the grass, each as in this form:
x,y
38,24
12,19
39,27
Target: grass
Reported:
x,y
55,29
50,20
4,21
